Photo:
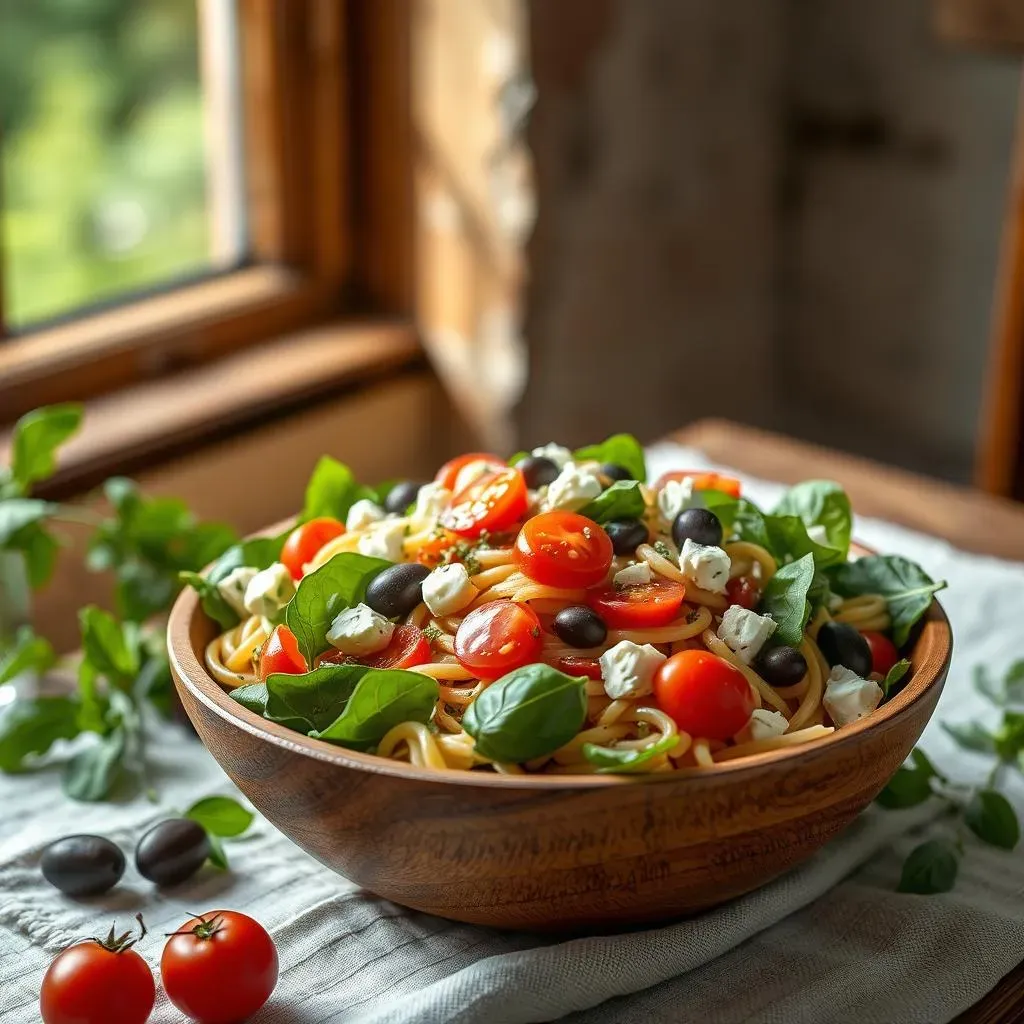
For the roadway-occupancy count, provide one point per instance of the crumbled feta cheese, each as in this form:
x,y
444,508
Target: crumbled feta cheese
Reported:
x,y
360,630
818,534
675,496
385,540
363,513
431,500
628,669
848,697
572,489
705,565
471,472
232,587
633,574
766,725
447,589
745,632
269,591
555,452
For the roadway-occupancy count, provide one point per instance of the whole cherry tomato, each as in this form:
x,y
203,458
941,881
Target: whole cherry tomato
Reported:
x,y
448,474
492,503
702,481
280,653
639,606
306,540
883,651
744,591
563,549
498,637
704,694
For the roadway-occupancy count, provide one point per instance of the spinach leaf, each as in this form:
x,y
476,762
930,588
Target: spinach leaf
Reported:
x,y
18,514
991,817
313,698
907,788
37,436
221,816
930,868
894,675
613,759
336,585
332,490
821,503
213,602
28,653
528,713
382,699
785,600
784,536
33,726
622,500
253,696
907,589
92,774
622,449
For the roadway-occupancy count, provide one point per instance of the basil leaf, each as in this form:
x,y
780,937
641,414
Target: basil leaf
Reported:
x,y
382,699
907,788
39,550
336,585
315,698
785,600
923,763
37,436
622,500
18,513
894,675
1009,739
622,449
253,696
971,736
991,817
906,587
784,536
92,774
930,868
821,503
332,490
143,590
217,857
33,726
154,684
213,602
528,713
613,759
221,816
28,653
110,647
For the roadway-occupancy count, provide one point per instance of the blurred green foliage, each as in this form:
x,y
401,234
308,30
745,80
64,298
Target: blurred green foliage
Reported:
x,y
102,158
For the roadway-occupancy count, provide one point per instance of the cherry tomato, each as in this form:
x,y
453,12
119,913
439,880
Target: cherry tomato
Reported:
x,y
98,982
306,540
705,695
498,637
280,653
702,481
883,651
430,550
577,665
408,647
563,549
219,968
448,474
639,606
744,591
493,502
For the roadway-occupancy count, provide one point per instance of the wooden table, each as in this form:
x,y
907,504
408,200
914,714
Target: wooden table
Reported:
x,y
968,519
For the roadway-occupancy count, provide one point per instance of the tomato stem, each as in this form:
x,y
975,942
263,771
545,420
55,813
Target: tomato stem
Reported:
x,y
204,930
115,943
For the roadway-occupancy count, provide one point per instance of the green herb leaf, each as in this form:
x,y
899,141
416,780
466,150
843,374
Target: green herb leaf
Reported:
x,y
37,436
92,774
528,713
615,759
16,514
923,763
320,596
27,653
143,590
221,816
985,685
907,788
155,685
39,548
312,700
971,736
33,726
514,460
785,599
622,449
907,589
253,696
1013,683
894,675
332,490
821,503
1009,738
111,647
218,855
622,500
991,817
785,536
930,868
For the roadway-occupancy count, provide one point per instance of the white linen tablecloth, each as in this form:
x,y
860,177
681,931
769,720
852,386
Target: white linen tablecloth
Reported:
x,y
830,941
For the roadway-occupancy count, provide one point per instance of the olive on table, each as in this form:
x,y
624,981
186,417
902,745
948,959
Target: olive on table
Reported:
x,y
700,525
401,496
172,851
82,865
537,470
626,535
843,645
614,471
580,626
781,666
397,590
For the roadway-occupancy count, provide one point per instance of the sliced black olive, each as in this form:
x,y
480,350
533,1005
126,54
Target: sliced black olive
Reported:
x,y
401,496
843,645
580,626
82,865
397,590
172,851
537,470
614,471
626,535
781,666
699,525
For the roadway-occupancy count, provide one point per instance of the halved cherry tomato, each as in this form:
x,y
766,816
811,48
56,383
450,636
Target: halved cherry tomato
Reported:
x,y
408,647
563,549
577,665
744,591
429,552
448,474
306,540
280,653
639,606
883,651
493,502
704,694
498,637
702,481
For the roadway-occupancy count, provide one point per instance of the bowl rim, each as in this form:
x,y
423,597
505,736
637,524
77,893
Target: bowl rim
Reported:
x,y
935,644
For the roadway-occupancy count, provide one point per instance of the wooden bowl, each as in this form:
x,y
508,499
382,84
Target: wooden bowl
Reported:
x,y
555,852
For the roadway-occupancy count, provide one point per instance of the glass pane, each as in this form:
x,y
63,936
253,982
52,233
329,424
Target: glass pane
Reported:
x,y
119,156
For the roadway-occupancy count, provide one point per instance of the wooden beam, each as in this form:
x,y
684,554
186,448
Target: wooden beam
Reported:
x,y
997,24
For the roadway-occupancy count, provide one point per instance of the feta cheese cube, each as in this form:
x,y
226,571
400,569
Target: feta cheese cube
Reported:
x,y
360,630
232,588
572,489
745,632
628,669
385,540
363,513
431,500
705,565
447,589
555,452
269,591
818,534
766,725
848,697
675,496
633,574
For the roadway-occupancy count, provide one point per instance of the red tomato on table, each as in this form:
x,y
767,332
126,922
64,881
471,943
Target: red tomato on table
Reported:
x,y
705,695
448,474
883,651
492,503
280,653
702,480
306,540
639,606
563,549
498,637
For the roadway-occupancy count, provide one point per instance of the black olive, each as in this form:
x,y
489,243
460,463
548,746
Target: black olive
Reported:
x,y
781,666
626,535
614,471
699,525
172,851
401,496
82,865
397,590
580,626
843,645
537,470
